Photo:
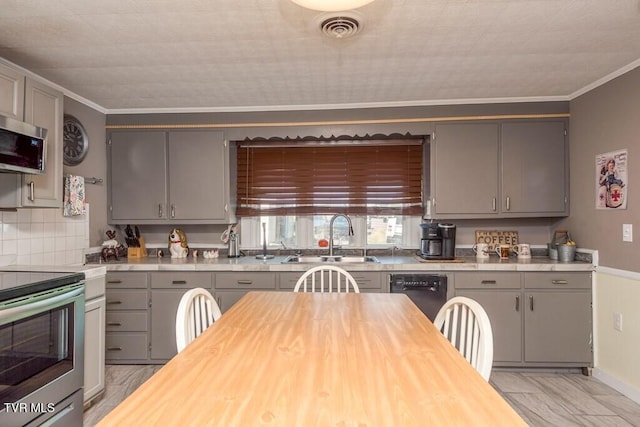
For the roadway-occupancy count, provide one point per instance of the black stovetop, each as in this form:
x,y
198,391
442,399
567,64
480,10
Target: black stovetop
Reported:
x,y
15,284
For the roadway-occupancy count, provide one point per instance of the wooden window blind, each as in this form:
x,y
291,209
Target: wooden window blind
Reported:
x,y
322,177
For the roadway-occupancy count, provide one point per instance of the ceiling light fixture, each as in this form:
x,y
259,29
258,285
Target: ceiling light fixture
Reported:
x,y
332,5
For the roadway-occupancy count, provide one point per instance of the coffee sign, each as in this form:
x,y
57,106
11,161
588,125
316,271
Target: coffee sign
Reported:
x,y
494,238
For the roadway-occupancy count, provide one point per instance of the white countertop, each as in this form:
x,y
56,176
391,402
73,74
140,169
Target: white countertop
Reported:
x,y
387,263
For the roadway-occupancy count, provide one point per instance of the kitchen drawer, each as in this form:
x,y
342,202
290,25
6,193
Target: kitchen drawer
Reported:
x,y
126,346
127,300
490,280
557,280
245,280
287,281
181,280
127,321
127,280
367,280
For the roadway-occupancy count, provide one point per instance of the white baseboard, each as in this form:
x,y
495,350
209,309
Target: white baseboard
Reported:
x,y
617,384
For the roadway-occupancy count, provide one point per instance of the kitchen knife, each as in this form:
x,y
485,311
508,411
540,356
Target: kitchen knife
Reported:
x,y
130,239
137,236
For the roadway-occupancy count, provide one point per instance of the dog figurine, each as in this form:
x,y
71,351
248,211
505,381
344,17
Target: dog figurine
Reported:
x,y
178,246
112,242
110,247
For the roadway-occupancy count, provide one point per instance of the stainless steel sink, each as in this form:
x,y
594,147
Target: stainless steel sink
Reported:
x,y
325,259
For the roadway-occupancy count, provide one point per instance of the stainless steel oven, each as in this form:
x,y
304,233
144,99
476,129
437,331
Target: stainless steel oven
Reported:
x,y
41,348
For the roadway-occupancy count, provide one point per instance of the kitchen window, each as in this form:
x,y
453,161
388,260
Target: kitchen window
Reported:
x,y
294,187
304,232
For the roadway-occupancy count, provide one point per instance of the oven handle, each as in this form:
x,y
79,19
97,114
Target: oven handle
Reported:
x,y
40,303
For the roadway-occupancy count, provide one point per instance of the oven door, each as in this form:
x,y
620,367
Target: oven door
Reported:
x,y
41,353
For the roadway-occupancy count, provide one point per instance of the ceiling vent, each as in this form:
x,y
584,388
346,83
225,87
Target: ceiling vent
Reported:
x,y
342,26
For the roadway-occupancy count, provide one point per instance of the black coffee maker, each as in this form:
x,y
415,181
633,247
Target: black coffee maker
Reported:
x,y
438,241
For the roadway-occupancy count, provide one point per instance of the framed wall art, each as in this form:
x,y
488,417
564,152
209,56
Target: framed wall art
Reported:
x,y
611,180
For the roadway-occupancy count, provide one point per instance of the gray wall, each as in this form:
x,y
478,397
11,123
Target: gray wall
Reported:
x,y
93,165
602,120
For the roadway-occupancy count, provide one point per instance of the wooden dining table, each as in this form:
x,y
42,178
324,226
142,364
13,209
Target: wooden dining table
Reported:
x,y
317,359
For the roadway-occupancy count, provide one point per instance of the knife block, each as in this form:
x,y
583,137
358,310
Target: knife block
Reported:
x,y
140,252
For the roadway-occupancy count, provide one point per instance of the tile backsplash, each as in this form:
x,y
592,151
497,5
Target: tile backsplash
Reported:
x,y
43,237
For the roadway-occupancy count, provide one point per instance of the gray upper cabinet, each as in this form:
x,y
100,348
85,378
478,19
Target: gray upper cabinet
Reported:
x,y
159,177
465,167
199,178
43,107
11,92
534,159
498,170
137,171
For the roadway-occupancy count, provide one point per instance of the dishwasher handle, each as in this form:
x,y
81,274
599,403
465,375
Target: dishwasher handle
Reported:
x,y
432,288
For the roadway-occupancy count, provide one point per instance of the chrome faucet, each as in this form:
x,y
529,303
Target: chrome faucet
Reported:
x,y
333,218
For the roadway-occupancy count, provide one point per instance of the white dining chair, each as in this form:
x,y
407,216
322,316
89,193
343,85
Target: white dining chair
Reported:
x,y
197,311
466,325
326,278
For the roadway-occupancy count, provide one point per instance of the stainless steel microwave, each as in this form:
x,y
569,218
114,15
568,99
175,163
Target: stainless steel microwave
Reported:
x,y
22,146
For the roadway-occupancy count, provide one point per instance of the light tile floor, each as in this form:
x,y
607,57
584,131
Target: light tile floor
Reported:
x,y
541,398
565,399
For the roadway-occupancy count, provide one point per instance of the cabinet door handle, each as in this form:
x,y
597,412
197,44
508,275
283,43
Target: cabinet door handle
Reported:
x,y
178,282
531,302
114,302
559,282
226,207
508,203
114,324
159,210
488,282
517,302
32,191
173,210
114,281
244,282
114,349
493,206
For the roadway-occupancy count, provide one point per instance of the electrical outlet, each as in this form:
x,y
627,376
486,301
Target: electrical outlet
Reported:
x,y
617,321
627,232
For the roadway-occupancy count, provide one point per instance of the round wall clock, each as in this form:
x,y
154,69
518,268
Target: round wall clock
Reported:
x,y
76,141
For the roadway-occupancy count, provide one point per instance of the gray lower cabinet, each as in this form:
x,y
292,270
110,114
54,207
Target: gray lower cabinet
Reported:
x,y
538,318
558,318
159,177
501,297
368,281
167,288
230,287
94,338
127,301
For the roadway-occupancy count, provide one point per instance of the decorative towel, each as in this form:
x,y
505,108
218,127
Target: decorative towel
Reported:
x,y
74,196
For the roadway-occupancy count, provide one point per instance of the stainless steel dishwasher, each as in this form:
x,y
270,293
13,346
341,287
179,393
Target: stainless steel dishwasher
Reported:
x,y
427,291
